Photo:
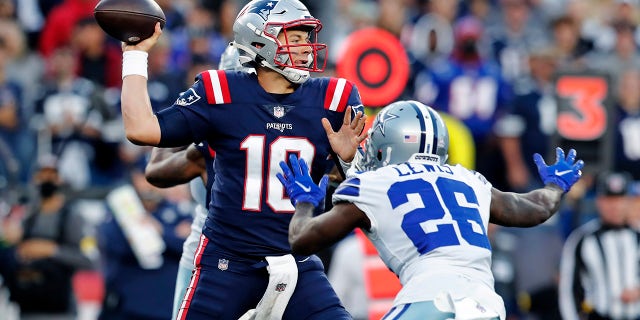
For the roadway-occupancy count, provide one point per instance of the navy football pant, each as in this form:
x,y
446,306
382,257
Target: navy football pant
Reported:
x,y
225,288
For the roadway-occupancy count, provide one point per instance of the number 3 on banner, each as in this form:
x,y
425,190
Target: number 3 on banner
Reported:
x,y
589,119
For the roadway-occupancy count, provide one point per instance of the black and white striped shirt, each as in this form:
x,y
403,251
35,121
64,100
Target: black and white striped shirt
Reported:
x,y
598,263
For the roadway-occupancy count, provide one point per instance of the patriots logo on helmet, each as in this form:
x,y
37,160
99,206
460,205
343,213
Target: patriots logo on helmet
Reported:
x,y
261,8
383,117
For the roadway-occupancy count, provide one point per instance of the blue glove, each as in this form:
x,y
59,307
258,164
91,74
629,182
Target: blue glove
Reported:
x,y
298,184
564,173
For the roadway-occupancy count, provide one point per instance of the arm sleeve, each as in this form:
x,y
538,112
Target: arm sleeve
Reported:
x,y
174,128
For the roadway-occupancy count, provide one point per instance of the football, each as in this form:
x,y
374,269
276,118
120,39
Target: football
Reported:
x,y
129,21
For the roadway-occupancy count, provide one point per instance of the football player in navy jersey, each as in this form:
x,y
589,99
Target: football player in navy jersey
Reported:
x,y
254,121
427,219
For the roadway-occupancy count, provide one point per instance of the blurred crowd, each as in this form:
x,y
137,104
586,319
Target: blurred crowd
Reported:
x,y
489,64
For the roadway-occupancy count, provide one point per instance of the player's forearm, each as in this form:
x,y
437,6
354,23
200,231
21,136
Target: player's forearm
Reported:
x,y
301,231
171,172
168,167
528,209
140,123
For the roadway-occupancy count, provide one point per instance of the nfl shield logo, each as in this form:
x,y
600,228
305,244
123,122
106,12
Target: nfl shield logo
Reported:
x,y
281,286
223,264
278,111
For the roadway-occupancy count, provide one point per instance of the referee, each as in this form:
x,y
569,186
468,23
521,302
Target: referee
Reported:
x,y
600,264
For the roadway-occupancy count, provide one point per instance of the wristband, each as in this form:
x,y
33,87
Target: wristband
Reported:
x,y
134,62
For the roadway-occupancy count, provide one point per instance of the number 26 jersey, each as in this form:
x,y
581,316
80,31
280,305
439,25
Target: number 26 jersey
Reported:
x,y
428,221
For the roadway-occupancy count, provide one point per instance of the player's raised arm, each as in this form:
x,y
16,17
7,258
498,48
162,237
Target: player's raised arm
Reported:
x,y
532,208
140,123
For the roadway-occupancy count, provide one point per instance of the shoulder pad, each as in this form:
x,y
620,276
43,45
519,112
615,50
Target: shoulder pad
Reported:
x,y
216,86
337,95
349,187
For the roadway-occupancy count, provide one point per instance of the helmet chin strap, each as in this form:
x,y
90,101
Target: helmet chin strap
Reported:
x,y
293,75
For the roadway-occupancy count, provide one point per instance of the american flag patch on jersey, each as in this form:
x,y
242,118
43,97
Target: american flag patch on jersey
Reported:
x,y
410,138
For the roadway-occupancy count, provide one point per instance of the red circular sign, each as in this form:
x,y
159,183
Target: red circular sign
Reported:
x,y
375,60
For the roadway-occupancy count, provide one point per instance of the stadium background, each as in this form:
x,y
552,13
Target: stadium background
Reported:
x,y
60,82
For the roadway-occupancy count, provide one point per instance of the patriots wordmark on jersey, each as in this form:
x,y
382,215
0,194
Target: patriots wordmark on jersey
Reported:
x,y
252,131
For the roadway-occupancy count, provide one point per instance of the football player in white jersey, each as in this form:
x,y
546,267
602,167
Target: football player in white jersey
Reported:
x,y
427,219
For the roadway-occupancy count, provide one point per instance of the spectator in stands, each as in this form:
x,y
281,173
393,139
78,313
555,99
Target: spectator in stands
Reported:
x,y
9,106
470,87
99,57
73,110
60,21
530,123
514,36
627,123
199,37
49,250
623,56
24,66
600,276
571,47
14,130
134,289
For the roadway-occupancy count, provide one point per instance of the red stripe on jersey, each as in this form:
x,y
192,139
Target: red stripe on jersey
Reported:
x,y
188,297
212,153
224,86
348,86
208,87
201,246
331,89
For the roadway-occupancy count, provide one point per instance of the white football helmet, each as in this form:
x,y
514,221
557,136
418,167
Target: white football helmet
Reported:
x,y
256,31
405,131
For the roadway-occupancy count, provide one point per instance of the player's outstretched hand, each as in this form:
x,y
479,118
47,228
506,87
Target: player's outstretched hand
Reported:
x,y
345,142
298,183
564,173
